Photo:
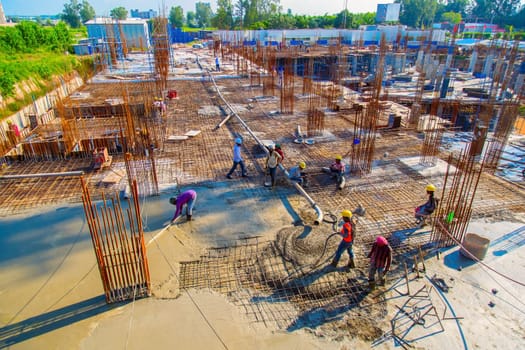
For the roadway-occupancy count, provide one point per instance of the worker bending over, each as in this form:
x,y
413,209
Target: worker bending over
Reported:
x,y
347,231
185,198
298,175
423,211
380,259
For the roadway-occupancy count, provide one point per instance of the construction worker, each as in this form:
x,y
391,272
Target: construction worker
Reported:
x,y
298,175
337,169
272,161
217,64
423,211
347,231
380,259
237,159
279,150
185,198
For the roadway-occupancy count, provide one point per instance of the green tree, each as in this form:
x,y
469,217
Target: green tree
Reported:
x,y
302,22
190,19
498,11
63,37
518,21
240,9
71,13
451,17
87,11
223,19
11,39
31,33
119,13
367,18
281,21
313,22
459,6
251,11
417,13
203,14
343,20
177,16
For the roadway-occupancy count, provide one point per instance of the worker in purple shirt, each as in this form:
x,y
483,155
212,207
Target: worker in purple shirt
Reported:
x,y
187,197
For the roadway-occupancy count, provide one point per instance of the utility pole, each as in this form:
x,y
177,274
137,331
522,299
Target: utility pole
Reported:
x,y
345,10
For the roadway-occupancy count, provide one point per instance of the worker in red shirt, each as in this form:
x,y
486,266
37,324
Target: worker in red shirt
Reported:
x,y
347,231
380,260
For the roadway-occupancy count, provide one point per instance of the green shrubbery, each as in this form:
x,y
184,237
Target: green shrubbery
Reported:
x,y
32,51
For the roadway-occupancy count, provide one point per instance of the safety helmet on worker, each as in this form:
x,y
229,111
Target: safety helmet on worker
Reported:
x,y
238,141
430,188
338,157
278,145
173,200
346,213
302,165
271,146
381,241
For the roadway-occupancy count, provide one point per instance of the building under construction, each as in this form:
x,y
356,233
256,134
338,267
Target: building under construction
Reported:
x,y
400,116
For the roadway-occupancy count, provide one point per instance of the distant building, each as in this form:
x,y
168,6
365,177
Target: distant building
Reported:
x,y
134,30
2,15
480,28
143,14
387,13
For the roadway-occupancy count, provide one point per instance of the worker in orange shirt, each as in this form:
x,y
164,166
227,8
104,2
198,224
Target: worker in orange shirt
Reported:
x,y
347,232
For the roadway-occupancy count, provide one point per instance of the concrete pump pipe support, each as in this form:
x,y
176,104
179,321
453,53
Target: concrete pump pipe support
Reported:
x,y
298,187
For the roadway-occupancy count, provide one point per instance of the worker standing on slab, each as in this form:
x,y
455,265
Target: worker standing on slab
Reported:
x,y
298,175
237,159
217,64
347,231
423,211
337,169
185,198
272,161
380,259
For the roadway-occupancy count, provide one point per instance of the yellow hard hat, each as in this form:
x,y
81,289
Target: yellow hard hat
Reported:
x,y
338,157
346,214
430,188
302,165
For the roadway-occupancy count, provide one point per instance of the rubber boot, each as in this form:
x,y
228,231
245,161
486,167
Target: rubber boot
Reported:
x,y
188,217
351,264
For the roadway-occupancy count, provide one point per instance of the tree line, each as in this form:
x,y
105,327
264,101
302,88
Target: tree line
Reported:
x,y
269,14
422,13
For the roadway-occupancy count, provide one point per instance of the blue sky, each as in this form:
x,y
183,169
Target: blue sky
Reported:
x,y
102,7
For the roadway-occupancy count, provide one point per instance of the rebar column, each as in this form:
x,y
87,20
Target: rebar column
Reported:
x,y
433,136
118,241
455,207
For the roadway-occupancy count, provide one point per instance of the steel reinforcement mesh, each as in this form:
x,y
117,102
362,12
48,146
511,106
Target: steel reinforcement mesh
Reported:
x,y
288,283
